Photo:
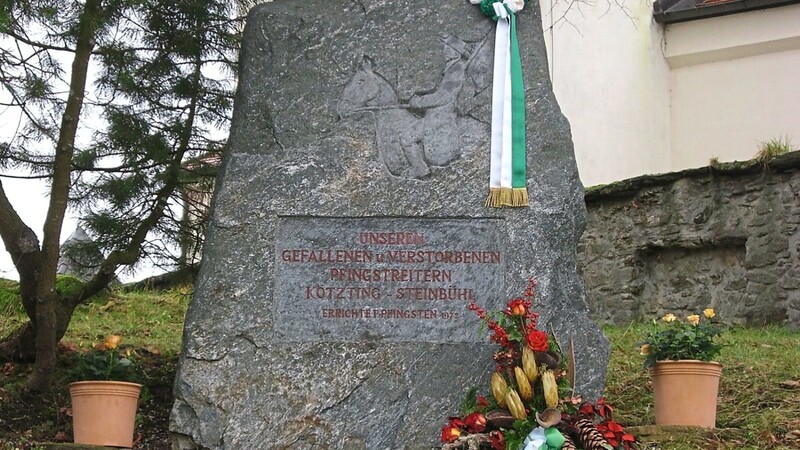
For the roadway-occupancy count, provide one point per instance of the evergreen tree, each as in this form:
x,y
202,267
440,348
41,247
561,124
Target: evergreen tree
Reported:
x,y
163,94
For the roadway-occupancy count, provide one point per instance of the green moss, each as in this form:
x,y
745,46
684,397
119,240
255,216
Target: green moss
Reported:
x,y
65,285
630,187
68,285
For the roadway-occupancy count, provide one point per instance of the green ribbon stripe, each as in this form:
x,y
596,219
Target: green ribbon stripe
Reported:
x,y
518,175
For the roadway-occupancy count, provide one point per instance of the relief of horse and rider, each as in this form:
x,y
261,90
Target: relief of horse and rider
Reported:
x,y
418,134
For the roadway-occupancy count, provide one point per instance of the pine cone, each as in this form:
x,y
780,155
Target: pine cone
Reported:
x,y
589,437
568,443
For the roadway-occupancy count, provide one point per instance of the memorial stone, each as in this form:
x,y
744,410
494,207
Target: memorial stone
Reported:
x,y
349,232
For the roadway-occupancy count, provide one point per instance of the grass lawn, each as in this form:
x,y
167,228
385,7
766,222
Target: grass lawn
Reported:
x,y
151,324
754,410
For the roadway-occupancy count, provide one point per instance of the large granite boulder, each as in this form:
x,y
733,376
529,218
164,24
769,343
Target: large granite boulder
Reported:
x,y
349,231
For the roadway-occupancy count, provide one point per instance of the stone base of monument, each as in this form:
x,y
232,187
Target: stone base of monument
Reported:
x,y
70,446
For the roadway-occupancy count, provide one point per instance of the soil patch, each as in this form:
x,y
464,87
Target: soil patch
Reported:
x,y
28,419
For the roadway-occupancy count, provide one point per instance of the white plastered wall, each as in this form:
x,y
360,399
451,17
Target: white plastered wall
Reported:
x,y
735,83
611,80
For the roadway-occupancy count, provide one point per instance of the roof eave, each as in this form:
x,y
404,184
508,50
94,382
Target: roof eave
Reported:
x,y
715,10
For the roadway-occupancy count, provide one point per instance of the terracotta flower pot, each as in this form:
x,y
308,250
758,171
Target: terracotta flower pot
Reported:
x,y
104,412
685,392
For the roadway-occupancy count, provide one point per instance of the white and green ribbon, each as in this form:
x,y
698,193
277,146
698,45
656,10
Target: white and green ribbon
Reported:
x,y
507,180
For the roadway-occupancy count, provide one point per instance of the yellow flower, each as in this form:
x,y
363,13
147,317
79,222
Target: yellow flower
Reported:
x,y
644,350
112,341
709,313
669,318
694,319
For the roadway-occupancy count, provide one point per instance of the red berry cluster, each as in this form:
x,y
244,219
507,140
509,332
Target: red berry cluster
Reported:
x,y
531,318
499,334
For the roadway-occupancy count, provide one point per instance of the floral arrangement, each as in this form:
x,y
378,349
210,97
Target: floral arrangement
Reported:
x,y
532,405
673,339
105,362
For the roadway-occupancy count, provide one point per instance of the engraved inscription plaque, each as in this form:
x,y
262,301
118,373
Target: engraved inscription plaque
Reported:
x,y
394,279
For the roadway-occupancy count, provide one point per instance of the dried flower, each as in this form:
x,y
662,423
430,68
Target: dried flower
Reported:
x,y
475,422
515,406
550,388
529,364
498,440
450,434
499,388
525,389
513,384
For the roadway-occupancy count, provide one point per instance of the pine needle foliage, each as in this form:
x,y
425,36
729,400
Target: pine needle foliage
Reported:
x,y
111,99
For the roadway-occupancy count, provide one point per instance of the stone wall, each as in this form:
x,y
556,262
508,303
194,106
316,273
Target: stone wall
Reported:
x,y
725,236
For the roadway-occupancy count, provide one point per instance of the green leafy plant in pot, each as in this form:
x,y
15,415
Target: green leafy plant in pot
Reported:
x,y
680,355
104,401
